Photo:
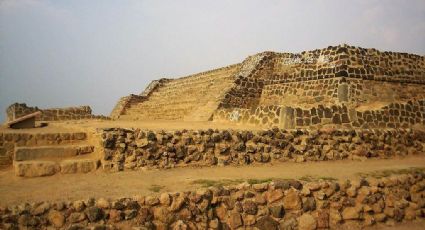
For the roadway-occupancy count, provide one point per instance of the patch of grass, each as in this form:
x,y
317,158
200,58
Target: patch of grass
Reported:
x,y
259,181
328,178
226,182
216,183
307,178
156,188
388,172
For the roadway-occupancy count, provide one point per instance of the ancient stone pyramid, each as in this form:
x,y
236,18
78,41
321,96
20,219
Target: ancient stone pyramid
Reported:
x,y
343,86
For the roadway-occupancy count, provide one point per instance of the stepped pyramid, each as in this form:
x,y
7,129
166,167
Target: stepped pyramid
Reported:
x,y
338,86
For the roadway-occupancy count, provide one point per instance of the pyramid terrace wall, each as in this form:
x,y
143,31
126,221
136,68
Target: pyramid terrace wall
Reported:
x,y
345,80
278,73
394,115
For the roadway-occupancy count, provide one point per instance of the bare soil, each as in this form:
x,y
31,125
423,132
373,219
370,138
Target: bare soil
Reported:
x,y
67,126
14,190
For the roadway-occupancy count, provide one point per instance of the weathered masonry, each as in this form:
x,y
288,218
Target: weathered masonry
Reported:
x,y
18,110
339,86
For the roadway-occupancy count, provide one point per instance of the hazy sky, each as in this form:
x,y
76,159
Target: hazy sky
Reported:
x,y
64,53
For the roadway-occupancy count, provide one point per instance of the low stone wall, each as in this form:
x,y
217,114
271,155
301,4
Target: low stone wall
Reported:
x,y
284,204
17,110
130,149
9,141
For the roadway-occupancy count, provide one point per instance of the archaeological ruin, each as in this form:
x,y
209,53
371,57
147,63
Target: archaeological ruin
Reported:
x,y
338,104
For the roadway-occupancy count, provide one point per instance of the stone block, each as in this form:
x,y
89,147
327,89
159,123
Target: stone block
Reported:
x,y
78,166
49,152
36,168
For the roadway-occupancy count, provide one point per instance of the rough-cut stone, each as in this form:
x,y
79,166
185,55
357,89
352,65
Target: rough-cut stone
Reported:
x,y
307,222
178,202
250,207
36,168
322,219
94,214
292,200
266,222
235,220
152,200
41,208
79,205
78,166
165,199
76,217
103,203
351,213
273,195
277,211
56,218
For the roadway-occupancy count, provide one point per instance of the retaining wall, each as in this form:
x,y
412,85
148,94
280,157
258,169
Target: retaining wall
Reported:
x,y
9,141
281,204
17,110
126,149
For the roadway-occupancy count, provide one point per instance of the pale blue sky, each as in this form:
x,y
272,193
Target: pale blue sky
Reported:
x,y
64,53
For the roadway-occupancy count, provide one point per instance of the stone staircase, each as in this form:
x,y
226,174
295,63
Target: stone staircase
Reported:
x,y
192,98
50,158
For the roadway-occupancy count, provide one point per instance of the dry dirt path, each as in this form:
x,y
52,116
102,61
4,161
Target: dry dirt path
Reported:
x,y
15,190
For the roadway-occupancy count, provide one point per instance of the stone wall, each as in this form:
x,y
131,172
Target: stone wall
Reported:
x,y
17,110
265,116
308,93
131,149
9,141
246,89
281,204
394,115
372,64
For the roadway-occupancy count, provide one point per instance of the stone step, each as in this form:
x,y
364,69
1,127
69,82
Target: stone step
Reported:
x,y
193,98
38,168
51,152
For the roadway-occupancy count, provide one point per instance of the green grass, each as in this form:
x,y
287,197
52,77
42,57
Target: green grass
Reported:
x,y
156,188
260,181
216,183
327,178
388,172
309,178
226,182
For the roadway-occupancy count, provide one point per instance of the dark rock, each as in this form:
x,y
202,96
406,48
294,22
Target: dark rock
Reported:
x,y
277,211
94,214
267,223
309,204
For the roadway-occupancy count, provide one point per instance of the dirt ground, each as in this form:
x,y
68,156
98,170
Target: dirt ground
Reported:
x,y
85,125
97,184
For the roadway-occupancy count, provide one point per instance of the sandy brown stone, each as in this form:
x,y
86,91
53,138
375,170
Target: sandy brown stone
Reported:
x,y
56,218
307,222
292,200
